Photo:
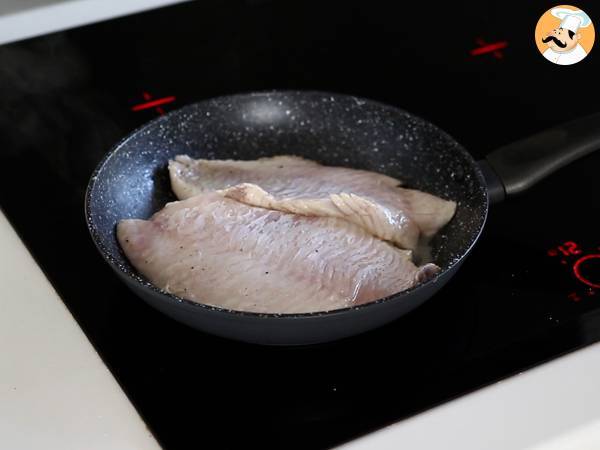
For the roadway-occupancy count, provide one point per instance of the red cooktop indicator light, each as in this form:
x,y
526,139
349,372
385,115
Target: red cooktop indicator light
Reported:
x,y
494,48
156,103
568,248
580,264
585,267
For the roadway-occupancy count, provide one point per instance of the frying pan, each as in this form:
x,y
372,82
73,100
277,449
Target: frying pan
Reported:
x,y
132,182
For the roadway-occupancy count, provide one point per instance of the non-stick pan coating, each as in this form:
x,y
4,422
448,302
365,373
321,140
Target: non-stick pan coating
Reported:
x,y
132,182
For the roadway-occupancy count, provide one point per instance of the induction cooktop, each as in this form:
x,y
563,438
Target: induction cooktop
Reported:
x,y
529,292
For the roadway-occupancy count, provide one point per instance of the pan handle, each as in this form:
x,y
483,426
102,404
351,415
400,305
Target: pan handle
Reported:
x,y
516,167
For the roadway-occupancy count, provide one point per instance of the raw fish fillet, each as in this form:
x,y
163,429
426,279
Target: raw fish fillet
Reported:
x,y
218,251
370,200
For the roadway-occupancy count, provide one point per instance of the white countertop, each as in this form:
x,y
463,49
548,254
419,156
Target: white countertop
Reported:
x,y
55,392
21,19
551,407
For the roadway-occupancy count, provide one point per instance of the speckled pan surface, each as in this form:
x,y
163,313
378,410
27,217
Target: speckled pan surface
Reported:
x,y
132,181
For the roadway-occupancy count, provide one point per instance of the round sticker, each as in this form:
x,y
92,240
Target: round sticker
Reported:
x,y
564,35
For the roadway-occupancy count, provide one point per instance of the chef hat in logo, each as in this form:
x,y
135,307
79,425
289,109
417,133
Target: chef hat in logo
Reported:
x,y
571,19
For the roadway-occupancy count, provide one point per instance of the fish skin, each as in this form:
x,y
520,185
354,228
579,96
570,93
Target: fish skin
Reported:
x,y
373,201
218,251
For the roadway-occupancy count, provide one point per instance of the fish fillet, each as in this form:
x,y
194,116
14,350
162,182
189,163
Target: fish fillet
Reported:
x,y
370,200
218,251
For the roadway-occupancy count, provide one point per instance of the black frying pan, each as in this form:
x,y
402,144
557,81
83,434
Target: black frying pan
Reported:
x,y
132,182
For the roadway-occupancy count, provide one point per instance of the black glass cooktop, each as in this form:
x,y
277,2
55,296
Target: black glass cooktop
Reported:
x,y
529,292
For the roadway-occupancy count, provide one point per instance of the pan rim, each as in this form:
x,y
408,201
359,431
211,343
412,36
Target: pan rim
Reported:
x,y
147,285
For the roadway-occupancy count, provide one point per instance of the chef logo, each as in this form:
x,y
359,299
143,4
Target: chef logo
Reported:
x,y
564,35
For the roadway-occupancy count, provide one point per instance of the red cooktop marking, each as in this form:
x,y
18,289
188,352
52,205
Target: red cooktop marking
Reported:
x,y
485,47
579,275
153,103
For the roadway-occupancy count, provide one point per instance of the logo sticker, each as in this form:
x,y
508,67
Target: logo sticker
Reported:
x,y
564,35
